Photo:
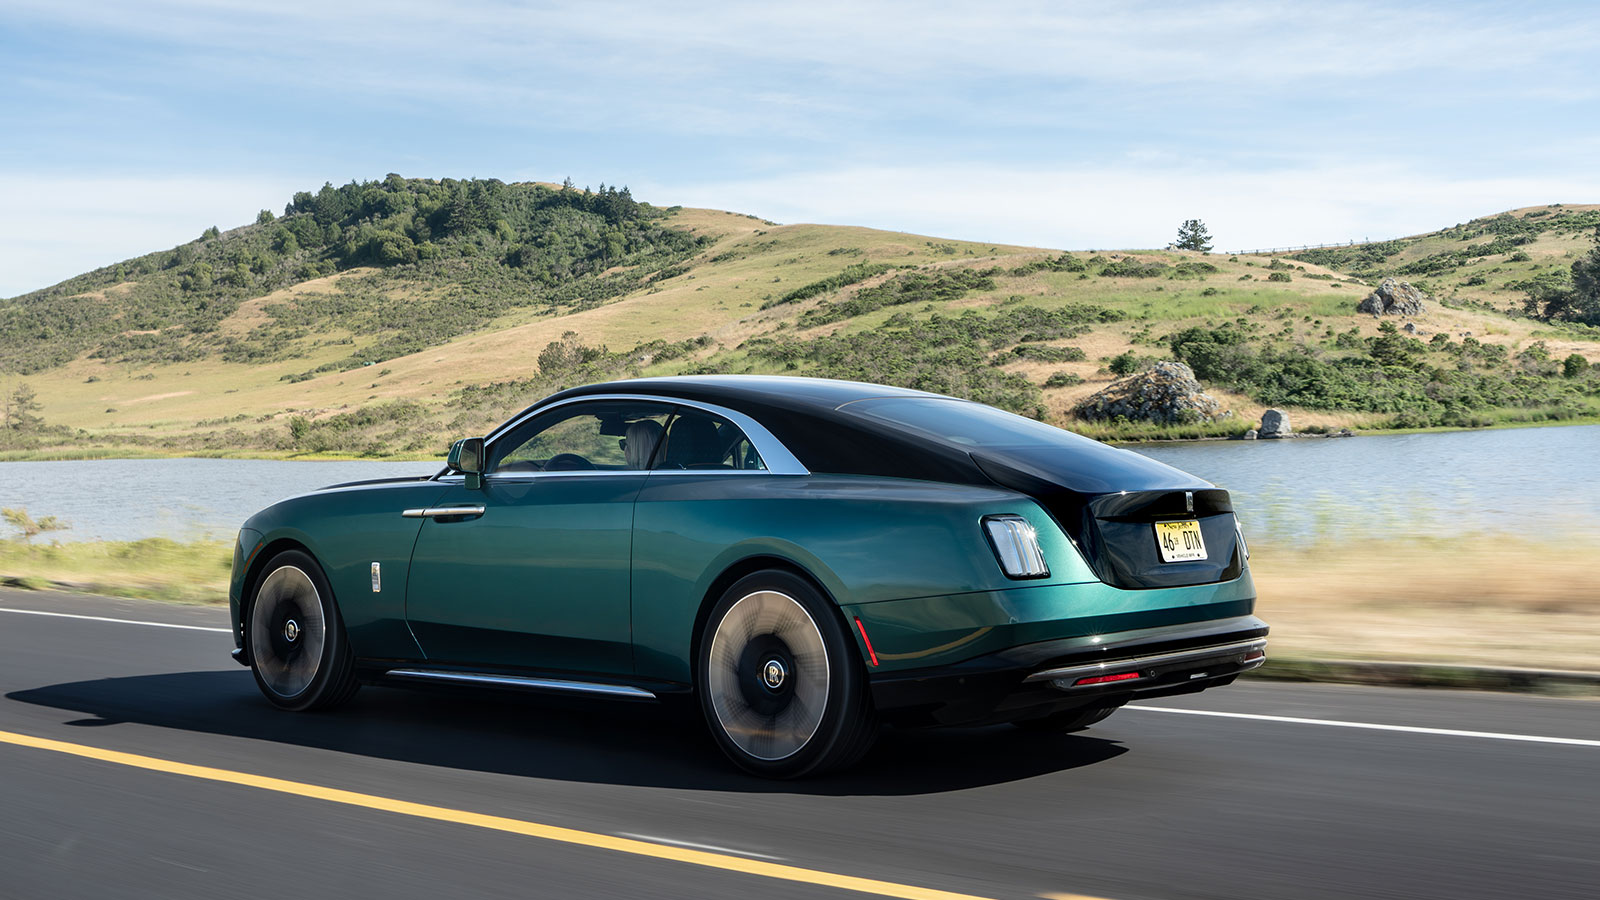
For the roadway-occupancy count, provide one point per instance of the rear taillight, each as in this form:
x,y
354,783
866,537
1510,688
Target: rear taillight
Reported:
x,y
1107,679
1016,546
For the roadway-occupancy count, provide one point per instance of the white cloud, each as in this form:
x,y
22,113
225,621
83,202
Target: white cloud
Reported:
x,y
1246,46
56,227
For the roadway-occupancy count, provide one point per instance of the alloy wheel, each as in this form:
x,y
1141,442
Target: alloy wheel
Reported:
x,y
288,632
768,675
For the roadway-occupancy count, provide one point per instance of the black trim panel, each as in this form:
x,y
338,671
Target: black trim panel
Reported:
x,y
994,688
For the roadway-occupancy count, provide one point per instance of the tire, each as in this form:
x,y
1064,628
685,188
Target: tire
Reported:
x,y
1068,721
781,686
295,638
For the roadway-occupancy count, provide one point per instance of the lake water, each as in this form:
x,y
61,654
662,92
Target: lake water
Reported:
x,y
1539,482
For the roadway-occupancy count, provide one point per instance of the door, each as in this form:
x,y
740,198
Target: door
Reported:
x,y
539,578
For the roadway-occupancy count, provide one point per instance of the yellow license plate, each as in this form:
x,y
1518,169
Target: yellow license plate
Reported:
x,y
1180,541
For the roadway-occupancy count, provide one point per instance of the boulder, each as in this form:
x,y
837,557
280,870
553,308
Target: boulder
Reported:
x,y
1250,435
1394,298
1275,424
1165,394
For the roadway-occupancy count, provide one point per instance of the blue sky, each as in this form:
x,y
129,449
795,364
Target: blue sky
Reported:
x,y
131,126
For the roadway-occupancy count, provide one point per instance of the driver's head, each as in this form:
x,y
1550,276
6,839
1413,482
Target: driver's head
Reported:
x,y
639,441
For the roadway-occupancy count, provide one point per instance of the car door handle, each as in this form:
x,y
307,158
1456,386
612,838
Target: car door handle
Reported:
x,y
435,512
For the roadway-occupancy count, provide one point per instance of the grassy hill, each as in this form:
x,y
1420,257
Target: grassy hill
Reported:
x,y
386,317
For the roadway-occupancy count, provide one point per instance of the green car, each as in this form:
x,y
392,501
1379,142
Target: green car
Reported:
x,y
802,559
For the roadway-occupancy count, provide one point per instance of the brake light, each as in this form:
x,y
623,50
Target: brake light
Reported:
x,y
1107,679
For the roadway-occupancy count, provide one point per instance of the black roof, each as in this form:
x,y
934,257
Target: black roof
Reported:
x,y
779,390
811,416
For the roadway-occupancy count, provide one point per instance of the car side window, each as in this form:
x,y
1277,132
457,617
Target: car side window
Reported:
x,y
700,440
607,435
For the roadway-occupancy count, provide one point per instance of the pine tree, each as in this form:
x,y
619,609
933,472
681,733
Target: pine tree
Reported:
x,y
1193,236
20,409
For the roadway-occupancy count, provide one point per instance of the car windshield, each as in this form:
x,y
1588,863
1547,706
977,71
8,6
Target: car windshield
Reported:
x,y
966,423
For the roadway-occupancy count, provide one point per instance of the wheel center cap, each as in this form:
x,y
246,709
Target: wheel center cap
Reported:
x,y
291,630
773,674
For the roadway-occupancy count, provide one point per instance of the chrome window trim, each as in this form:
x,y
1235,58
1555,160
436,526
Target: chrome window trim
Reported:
x,y
777,457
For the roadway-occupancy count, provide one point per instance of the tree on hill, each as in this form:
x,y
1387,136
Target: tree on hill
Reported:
x,y
1192,235
20,408
1551,299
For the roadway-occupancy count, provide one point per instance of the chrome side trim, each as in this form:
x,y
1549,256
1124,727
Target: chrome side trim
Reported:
x,y
523,682
777,457
1137,663
433,512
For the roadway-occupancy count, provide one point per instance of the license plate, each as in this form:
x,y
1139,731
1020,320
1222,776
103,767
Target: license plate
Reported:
x,y
1180,541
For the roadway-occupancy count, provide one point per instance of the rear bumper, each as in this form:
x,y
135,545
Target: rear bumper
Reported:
x,y
1040,678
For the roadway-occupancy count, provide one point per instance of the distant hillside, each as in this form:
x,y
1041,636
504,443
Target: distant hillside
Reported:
x,y
1511,261
445,257
384,318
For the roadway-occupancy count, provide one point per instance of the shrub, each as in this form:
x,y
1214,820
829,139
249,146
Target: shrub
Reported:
x,y
1127,267
922,286
1278,276
1125,363
849,275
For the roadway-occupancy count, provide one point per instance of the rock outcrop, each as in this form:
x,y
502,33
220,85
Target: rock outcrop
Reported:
x,y
1165,394
1394,298
1275,424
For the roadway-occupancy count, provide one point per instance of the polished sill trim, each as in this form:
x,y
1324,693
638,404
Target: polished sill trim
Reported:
x,y
524,682
432,512
1137,663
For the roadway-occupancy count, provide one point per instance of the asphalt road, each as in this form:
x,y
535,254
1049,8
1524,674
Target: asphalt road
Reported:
x,y
1153,803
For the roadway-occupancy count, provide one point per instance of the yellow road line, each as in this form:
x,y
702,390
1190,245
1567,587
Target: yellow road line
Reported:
x,y
495,823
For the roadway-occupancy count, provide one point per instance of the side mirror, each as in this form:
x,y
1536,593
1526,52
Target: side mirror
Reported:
x,y
466,457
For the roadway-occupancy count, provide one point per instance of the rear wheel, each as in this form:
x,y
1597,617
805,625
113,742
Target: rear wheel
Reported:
x,y
1068,720
295,638
781,686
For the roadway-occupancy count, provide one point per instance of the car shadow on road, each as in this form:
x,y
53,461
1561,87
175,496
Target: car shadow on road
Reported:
x,y
522,735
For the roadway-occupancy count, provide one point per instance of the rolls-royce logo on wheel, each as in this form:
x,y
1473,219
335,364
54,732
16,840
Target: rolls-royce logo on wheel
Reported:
x,y
804,559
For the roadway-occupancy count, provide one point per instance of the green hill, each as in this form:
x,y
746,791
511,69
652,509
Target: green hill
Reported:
x,y
383,318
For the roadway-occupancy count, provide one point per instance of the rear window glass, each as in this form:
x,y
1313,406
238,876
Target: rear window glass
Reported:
x,y
965,423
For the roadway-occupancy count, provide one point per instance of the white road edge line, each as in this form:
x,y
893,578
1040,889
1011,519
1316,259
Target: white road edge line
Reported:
x,y
1372,726
62,615
693,846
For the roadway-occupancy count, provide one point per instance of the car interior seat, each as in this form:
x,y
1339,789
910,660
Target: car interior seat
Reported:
x,y
693,443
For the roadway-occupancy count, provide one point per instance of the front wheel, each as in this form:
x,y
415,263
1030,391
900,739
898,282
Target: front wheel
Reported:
x,y
295,638
781,686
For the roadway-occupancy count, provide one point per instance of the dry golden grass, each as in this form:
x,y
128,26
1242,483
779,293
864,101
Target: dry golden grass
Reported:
x,y
1481,600
155,568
